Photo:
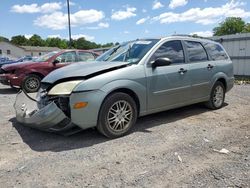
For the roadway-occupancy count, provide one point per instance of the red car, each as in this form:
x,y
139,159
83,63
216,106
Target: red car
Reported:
x,y
29,74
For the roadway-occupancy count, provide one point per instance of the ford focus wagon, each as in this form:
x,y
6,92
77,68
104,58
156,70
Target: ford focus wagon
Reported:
x,y
131,80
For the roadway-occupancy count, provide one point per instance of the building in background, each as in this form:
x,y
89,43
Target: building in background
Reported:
x,y
12,51
238,48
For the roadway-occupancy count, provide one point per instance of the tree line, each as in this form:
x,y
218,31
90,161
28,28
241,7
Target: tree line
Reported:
x,y
36,40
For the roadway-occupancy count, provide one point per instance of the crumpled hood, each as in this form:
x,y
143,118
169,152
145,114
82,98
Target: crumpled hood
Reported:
x,y
82,70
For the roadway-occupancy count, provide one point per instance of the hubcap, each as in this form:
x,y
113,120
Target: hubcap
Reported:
x,y
119,116
32,83
218,96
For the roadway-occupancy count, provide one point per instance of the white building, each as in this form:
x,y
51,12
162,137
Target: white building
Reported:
x,y
12,51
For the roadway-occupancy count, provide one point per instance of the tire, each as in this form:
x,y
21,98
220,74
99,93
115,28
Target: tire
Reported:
x,y
114,121
217,96
31,83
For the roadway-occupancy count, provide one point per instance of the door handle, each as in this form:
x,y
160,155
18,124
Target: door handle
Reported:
x,y
182,71
209,66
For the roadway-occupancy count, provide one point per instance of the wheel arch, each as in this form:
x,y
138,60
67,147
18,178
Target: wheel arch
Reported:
x,y
36,73
129,92
223,81
222,77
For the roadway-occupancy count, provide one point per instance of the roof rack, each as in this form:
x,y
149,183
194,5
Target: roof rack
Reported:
x,y
186,35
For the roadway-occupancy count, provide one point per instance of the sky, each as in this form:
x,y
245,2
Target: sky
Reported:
x,y
103,21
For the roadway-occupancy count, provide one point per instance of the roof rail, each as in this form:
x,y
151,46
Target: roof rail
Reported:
x,y
186,35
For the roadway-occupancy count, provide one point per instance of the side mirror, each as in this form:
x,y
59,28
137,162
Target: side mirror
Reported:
x,y
55,61
161,62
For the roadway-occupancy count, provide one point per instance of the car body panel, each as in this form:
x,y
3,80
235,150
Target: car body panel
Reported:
x,y
201,76
86,117
166,86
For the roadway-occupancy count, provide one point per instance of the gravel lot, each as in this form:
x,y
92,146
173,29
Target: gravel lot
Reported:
x,y
169,149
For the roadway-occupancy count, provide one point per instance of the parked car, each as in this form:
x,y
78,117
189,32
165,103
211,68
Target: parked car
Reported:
x,y
22,59
28,75
131,80
4,59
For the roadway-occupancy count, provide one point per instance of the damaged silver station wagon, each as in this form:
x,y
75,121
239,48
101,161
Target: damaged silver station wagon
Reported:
x,y
133,79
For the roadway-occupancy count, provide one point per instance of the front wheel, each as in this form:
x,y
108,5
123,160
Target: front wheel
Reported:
x,y
31,83
217,96
117,115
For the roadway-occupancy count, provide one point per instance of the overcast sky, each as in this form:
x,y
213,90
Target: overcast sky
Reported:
x,y
104,21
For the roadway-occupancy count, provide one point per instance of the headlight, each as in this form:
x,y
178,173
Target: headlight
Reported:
x,y
64,88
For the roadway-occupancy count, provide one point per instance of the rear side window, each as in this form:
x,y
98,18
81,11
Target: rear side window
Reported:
x,y
196,52
172,50
215,51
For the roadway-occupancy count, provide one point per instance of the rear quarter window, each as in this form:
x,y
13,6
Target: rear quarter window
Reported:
x,y
215,51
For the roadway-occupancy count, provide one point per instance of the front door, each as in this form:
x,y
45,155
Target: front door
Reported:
x,y
168,86
64,59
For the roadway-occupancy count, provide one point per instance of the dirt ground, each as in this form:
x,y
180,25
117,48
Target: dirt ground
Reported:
x,y
175,148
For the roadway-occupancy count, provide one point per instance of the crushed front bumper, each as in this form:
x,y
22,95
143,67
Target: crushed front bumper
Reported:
x,y
48,118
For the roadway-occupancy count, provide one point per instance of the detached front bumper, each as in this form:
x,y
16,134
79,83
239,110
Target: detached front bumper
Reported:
x,y
48,118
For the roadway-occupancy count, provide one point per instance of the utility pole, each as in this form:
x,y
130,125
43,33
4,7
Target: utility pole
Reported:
x,y
69,24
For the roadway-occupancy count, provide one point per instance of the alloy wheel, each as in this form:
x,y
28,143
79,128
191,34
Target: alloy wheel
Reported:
x,y
119,116
218,96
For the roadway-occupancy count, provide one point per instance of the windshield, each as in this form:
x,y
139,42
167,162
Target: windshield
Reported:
x,y
132,51
45,57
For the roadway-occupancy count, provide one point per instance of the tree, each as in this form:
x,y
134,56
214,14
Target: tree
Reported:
x,y
82,43
231,25
3,39
19,40
36,40
246,28
56,42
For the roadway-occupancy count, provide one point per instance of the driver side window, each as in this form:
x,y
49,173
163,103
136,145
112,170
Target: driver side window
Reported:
x,y
67,57
172,50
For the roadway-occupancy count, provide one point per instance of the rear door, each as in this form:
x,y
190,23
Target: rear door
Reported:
x,y
65,58
168,86
201,69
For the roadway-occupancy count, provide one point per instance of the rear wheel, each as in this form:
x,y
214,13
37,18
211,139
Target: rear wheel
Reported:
x,y
117,115
217,96
31,83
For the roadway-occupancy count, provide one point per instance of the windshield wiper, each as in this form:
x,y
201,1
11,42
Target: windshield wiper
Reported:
x,y
114,50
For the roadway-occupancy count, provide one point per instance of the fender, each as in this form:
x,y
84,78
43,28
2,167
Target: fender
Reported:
x,y
218,76
139,89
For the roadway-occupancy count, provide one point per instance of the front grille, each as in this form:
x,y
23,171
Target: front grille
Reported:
x,y
62,102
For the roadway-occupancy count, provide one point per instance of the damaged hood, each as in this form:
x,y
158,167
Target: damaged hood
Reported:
x,y
83,70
